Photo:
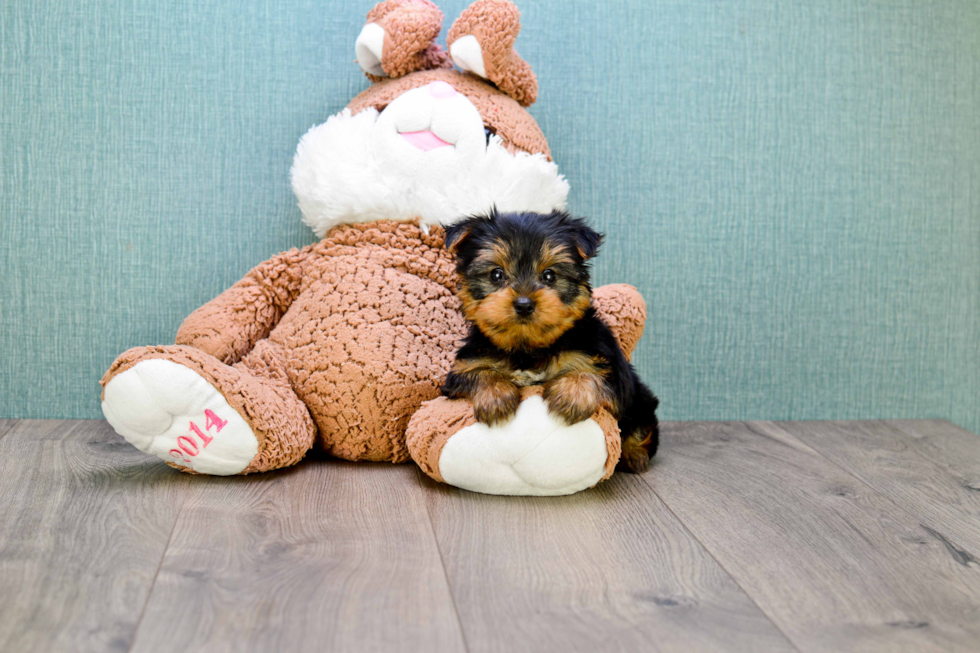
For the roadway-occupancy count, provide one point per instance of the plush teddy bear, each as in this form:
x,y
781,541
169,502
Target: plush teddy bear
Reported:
x,y
339,344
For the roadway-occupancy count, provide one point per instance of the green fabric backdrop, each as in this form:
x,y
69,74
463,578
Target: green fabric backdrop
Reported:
x,y
794,185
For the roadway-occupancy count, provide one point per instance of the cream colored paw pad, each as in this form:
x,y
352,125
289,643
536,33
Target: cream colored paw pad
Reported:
x,y
170,411
533,455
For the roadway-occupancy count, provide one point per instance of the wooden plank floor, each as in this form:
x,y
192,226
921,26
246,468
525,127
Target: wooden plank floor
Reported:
x,y
743,536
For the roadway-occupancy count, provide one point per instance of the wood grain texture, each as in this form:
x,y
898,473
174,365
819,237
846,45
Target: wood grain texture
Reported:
x,y
953,448
329,556
930,467
6,425
606,569
84,522
742,536
836,565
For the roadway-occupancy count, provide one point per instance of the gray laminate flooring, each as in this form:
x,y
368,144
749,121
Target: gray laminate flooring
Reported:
x,y
742,536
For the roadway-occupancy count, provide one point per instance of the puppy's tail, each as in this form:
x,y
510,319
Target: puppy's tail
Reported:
x,y
636,452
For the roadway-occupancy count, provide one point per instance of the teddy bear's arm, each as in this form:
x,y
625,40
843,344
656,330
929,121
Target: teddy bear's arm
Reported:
x,y
228,326
622,308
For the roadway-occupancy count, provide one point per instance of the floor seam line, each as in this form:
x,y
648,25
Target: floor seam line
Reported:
x,y
751,598
10,427
914,450
156,574
868,485
442,562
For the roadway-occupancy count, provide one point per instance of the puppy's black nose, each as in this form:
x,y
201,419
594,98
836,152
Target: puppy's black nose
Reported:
x,y
524,306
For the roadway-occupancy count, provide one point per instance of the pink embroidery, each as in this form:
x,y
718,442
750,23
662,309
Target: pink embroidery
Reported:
x,y
185,443
213,420
205,438
176,453
189,446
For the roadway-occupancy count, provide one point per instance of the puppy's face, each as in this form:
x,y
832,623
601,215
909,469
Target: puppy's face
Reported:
x,y
524,276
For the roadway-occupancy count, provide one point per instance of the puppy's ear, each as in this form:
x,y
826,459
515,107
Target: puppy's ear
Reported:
x,y
587,239
457,233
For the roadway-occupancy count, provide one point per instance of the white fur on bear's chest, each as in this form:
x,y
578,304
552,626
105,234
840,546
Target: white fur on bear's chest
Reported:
x,y
358,168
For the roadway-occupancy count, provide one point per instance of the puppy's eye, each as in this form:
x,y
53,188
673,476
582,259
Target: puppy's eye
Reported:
x,y
497,275
488,132
549,276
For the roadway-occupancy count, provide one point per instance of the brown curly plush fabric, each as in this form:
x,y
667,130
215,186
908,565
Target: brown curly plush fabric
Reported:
x,y
623,309
431,427
257,388
338,344
619,305
495,24
343,341
367,334
354,331
517,128
410,27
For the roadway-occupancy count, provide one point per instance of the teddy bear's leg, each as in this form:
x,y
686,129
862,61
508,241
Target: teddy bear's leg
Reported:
x,y
532,455
200,415
398,39
481,42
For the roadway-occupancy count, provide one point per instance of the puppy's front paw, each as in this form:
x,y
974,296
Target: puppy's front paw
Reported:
x,y
496,402
574,397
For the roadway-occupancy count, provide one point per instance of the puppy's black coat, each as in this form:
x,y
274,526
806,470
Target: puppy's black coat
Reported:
x,y
524,284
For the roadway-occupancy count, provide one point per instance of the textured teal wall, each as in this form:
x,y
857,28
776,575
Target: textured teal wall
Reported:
x,y
794,185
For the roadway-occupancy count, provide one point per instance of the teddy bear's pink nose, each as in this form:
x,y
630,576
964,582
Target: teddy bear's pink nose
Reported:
x,y
441,90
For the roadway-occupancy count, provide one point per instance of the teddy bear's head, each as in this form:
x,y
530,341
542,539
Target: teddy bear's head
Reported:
x,y
427,142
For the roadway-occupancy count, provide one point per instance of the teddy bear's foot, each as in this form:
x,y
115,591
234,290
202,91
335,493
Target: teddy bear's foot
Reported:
x,y
200,415
481,42
398,39
534,454
168,410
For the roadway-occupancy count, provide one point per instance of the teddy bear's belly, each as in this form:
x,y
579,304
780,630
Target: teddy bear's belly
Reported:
x,y
365,345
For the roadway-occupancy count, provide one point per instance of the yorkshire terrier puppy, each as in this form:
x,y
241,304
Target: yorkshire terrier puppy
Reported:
x,y
524,285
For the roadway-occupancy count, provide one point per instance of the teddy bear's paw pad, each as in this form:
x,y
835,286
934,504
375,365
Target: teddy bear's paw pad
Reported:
x,y
369,47
467,54
170,411
534,454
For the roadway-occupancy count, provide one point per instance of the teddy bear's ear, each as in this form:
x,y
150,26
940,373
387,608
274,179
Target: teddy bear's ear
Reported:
x,y
399,39
481,42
